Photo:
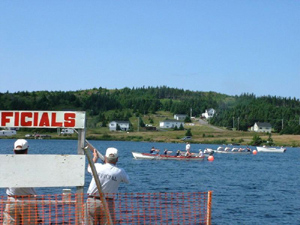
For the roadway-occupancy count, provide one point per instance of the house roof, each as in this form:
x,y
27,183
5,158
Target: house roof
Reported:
x,y
119,121
175,121
259,124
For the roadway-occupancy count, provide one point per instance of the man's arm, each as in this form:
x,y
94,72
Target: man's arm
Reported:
x,y
95,158
125,177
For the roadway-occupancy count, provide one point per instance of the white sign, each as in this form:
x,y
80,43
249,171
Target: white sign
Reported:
x,y
42,170
42,119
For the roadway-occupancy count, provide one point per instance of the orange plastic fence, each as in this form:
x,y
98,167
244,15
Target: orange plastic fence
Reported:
x,y
124,208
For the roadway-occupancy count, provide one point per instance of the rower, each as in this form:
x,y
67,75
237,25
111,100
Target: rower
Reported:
x,y
166,152
154,150
200,153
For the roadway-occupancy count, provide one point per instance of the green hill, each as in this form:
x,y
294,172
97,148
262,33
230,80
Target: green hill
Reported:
x,y
153,103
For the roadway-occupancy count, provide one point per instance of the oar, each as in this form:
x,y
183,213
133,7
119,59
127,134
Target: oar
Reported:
x,y
91,147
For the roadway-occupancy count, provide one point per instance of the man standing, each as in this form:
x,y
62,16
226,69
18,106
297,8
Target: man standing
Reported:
x,y
110,177
19,210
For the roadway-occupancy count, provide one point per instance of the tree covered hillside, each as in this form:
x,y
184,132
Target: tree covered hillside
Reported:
x,y
282,113
103,105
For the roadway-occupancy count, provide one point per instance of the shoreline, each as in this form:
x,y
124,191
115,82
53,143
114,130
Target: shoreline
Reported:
x,y
227,138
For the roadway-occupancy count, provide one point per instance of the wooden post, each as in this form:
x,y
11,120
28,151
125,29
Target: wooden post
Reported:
x,y
80,189
208,214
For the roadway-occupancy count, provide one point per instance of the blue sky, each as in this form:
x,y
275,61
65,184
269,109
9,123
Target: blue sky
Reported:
x,y
230,47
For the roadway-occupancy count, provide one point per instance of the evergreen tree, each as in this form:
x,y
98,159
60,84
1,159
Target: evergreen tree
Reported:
x,y
142,124
187,119
181,127
256,140
270,140
188,132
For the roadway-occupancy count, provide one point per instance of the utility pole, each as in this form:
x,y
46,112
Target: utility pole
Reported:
x,y
232,122
138,124
282,124
238,123
191,112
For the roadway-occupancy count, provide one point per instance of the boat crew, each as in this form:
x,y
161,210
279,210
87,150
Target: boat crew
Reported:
x,y
178,153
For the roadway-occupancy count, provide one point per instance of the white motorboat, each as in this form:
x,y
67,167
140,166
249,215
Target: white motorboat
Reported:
x,y
271,150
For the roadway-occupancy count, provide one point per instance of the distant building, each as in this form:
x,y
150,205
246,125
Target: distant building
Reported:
x,y
170,124
150,128
209,113
262,127
7,132
67,131
124,125
180,116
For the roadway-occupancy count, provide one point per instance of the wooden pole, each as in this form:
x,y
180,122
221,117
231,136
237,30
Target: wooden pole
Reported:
x,y
91,147
80,189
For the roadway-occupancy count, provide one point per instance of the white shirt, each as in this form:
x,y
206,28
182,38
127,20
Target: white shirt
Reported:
x,y
110,178
20,191
187,147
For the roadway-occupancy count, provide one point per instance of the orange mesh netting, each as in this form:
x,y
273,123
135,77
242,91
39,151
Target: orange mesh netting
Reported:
x,y
124,208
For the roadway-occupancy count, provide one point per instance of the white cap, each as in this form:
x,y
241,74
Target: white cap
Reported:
x,y
21,144
111,153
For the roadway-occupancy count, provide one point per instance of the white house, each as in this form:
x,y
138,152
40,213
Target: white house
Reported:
x,y
209,113
180,116
7,132
67,131
170,124
124,125
262,127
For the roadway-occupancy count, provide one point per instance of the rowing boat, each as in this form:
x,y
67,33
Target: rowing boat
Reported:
x,y
228,150
138,155
271,150
233,152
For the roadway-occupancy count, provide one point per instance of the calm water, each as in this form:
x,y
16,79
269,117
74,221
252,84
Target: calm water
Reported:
x,y
247,189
